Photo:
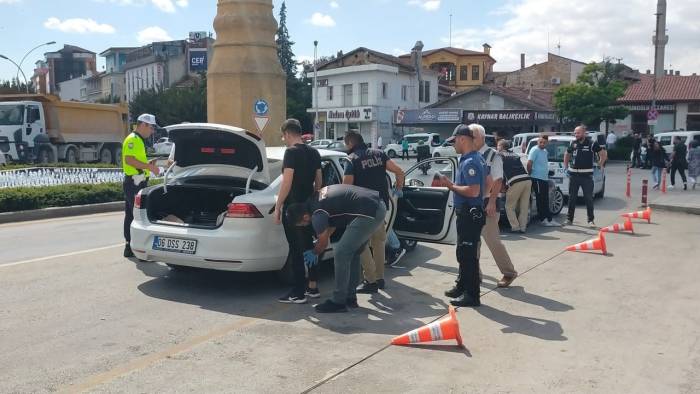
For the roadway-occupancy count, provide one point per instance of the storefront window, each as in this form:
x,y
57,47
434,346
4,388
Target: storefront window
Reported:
x,y
364,93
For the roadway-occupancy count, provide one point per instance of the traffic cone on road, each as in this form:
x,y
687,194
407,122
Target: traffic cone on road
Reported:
x,y
592,244
443,329
618,227
645,214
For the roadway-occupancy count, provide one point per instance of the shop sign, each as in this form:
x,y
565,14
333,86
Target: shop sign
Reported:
x,y
427,115
498,116
357,114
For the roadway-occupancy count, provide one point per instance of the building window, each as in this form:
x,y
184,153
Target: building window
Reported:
x,y
347,95
463,73
475,73
329,93
404,92
424,92
364,93
385,90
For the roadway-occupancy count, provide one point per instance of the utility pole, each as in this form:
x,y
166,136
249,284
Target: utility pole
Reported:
x,y
317,126
660,39
450,30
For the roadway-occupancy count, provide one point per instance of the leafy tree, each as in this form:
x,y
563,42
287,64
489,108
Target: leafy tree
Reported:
x,y
175,105
284,45
15,86
593,98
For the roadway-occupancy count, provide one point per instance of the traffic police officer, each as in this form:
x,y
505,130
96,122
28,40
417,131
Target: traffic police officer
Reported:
x,y
580,171
469,205
137,169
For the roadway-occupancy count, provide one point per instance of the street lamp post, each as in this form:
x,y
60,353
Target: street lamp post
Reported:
x,y
317,126
26,82
30,51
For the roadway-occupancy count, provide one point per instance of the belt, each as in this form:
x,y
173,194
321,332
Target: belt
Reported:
x,y
518,178
581,170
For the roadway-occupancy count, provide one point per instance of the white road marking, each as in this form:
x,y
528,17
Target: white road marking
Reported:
x,y
62,219
57,256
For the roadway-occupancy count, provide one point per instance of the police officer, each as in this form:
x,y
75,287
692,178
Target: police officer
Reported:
x,y
367,168
469,205
580,171
137,169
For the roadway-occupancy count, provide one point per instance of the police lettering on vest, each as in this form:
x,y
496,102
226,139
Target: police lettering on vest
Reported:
x,y
583,155
513,168
368,168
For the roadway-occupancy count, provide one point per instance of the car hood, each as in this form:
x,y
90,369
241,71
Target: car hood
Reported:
x,y
213,149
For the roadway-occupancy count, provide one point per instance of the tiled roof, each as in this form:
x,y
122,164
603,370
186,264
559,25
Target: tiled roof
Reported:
x,y
668,88
538,99
452,50
386,57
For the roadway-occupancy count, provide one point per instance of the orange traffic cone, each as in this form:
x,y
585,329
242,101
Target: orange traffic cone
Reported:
x,y
618,228
645,214
663,180
592,244
443,329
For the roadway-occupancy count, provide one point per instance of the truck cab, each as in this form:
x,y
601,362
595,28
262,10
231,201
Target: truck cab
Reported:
x,y
22,127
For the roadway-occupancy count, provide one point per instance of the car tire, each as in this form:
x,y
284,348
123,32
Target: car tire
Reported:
x,y
556,203
72,156
408,244
391,153
106,156
286,274
601,194
117,156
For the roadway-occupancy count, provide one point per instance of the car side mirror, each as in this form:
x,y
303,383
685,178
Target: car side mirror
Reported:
x,y
415,183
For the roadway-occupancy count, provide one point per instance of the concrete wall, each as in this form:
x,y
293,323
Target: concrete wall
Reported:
x,y
484,62
73,90
483,101
541,75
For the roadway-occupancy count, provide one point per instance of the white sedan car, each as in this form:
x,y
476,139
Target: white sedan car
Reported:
x,y
447,148
215,208
163,146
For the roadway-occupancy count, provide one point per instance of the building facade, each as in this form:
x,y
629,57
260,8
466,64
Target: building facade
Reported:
x,y
556,71
361,89
112,83
68,63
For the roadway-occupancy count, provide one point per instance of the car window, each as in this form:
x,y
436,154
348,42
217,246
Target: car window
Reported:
x,y
275,168
424,175
696,137
414,140
665,140
329,173
683,139
556,150
436,140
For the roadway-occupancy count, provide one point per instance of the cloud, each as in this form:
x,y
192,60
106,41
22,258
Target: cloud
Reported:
x,y
152,34
428,5
164,5
587,32
321,20
334,4
10,1
169,6
182,3
78,25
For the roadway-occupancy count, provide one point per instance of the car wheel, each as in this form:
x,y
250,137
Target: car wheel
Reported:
x,y
601,194
286,274
45,156
391,153
72,156
105,156
118,156
556,204
408,244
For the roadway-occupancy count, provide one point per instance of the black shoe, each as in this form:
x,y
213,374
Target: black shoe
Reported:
x,y
454,292
381,284
367,288
292,298
352,303
395,259
685,186
312,293
465,300
128,252
330,307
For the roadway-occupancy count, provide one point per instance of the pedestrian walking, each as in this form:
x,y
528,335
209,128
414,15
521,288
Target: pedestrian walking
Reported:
x,y
379,142
404,149
637,151
538,167
360,212
679,162
491,233
519,189
579,160
301,177
694,163
137,169
469,202
368,168
658,160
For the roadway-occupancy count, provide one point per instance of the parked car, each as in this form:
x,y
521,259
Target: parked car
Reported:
x,y
520,142
338,146
320,143
447,149
556,148
666,139
556,203
431,139
163,146
215,208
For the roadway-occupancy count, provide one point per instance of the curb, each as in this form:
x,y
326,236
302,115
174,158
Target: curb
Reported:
x,y
59,212
676,208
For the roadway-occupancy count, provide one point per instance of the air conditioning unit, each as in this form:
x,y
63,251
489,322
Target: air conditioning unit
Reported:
x,y
556,81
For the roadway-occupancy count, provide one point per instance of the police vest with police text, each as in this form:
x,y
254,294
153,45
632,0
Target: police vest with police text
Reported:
x,y
582,157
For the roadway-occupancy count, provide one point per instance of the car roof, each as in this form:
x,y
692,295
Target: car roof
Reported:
x,y
277,152
420,134
677,132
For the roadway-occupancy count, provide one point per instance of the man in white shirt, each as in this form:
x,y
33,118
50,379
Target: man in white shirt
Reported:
x,y
611,140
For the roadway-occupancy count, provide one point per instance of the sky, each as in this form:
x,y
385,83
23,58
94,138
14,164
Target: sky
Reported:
x,y
583,30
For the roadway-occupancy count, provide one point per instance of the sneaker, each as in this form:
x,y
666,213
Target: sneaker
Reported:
x,y
685,186
330,307
454,292
381,284
128,252
655,187
465,300
671,187
554,223
550,223
367,288
591,224
399,254
352,303
312,293
290,298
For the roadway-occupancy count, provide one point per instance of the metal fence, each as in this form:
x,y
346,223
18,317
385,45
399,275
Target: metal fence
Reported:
x,y
42,176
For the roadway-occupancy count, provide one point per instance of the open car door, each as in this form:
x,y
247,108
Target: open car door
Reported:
x,y
426,212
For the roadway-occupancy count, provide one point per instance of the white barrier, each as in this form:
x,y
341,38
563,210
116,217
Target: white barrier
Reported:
x,y
39,177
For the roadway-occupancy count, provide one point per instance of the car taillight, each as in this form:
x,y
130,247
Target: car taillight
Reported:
x,y
137,200
243,210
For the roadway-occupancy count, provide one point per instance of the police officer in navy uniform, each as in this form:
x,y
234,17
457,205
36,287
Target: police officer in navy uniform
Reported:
x,y
578,164
469,206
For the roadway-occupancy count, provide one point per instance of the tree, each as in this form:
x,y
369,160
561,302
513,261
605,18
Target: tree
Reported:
x,y
175,105
14,86
284,45
593,98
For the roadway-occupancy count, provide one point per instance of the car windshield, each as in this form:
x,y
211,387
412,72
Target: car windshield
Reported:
x,y
556,150
11,115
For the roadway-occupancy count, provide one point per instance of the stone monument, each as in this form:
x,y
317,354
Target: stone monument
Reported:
x,y
246,85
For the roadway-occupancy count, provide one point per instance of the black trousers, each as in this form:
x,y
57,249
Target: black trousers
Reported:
x,y
541,188
636,158
300,239
404,154
469,225
585,182
680,167
130,192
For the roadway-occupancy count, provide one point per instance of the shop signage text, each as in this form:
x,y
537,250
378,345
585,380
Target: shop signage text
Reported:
x,y
362,114
428,115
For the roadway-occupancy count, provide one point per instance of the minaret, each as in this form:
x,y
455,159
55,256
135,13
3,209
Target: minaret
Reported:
x,y
660,39
246,86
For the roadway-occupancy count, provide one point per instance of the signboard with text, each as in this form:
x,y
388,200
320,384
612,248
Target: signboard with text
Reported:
x,y
354,114
498,116
198,60
427,115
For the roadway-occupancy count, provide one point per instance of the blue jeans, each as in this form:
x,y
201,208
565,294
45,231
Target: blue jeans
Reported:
x,y
656,173
392,241
347,254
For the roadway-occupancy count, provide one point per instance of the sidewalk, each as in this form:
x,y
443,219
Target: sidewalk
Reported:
x,y
677,200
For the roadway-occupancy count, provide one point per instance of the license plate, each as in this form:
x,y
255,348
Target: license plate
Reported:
x,y
558,180
176,245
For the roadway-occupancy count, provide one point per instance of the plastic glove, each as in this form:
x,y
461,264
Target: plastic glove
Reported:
x,y
398,193
567,172
310,258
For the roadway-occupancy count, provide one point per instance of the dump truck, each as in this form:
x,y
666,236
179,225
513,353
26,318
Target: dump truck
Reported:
x,y
37,128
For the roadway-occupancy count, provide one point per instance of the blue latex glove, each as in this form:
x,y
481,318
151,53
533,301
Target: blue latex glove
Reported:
x,y
398,193
567,173
310,258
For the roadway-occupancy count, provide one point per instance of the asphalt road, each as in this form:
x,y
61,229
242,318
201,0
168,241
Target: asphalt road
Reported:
x,y
76,316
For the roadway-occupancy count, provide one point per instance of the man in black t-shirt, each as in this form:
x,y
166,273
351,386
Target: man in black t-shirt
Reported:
x,y
367,168
679,162
301,177
360,212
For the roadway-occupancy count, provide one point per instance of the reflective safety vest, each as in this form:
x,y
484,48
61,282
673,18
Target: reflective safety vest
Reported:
x,y
134,146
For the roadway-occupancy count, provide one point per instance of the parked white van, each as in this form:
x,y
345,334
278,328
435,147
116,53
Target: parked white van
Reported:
x,y
431,139
666,139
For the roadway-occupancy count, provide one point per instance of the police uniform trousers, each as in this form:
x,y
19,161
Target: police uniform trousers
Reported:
x,y
470,221
585,182
130,192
